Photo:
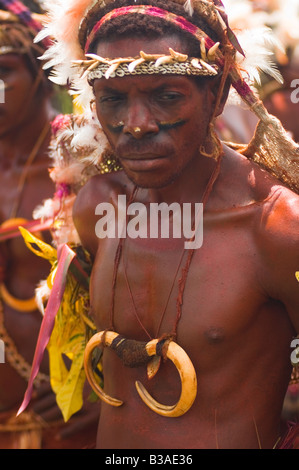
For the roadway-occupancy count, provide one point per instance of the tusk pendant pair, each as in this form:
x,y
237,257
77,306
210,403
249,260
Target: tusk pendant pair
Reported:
x,y
175,353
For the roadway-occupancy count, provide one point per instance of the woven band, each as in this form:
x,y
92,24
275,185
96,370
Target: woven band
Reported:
x,y
149,68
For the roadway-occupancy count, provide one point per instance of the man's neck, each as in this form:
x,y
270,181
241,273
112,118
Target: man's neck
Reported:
x,y
189,186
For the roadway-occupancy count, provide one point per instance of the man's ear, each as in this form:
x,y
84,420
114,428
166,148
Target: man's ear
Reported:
x,y
216,85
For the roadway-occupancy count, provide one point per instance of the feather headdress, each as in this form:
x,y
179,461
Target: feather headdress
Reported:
x,y
65,17
257,39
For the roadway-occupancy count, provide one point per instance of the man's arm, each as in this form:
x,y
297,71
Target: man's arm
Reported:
x,y
84,215
279,244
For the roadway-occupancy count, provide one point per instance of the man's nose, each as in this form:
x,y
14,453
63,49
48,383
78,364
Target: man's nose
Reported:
x,y
140,120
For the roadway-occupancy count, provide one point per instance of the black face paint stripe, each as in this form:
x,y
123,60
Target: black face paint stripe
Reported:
x,y
165,126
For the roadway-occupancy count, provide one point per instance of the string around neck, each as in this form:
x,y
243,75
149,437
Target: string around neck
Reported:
x,y
185,270
33,154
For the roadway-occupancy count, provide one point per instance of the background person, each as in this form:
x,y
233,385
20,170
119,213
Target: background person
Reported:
x,y
25,132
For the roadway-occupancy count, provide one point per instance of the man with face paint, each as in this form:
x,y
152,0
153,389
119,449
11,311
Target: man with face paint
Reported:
x,y
158,74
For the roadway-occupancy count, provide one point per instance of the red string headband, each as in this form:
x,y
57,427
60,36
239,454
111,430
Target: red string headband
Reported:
x,y
179,21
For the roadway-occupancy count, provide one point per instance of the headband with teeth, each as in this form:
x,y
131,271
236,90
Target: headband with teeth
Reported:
x,y
146,64
173,64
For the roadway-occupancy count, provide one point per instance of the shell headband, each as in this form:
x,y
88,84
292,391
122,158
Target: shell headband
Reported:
x,y
146,64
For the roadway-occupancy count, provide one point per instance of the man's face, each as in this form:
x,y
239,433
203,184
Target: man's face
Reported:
x,y
170,113
18,82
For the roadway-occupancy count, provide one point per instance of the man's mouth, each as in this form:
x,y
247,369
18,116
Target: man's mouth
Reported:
x,y
140,156
142,162
144,155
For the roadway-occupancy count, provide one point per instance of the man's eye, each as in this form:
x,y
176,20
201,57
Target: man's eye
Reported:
x,y
110,99
169,96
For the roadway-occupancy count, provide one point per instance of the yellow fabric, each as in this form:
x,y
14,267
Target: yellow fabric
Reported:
x,y
71,332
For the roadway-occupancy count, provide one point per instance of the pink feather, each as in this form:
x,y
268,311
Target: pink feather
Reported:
x,y
72,19
65,258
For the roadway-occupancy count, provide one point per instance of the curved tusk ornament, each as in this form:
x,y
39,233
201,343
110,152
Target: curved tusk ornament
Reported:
x,y
96,341
175,353
188,379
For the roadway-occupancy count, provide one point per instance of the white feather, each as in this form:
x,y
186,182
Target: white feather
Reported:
x,y
42,293
41,35
84,137
71,174
260,44
189,7
46,210
65,17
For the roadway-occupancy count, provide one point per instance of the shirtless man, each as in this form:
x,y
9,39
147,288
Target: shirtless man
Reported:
x,y
25,118
240,299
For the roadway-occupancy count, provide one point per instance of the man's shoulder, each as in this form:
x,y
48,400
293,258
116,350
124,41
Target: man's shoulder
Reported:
x,y
277,243
248,177
100,188
281,213
277,198
103,187
277,224
274,207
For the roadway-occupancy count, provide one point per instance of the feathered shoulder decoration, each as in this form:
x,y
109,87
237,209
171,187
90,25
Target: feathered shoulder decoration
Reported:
x,y
64,19
78,150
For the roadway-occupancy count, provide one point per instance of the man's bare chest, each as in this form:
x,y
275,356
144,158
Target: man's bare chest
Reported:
x,y
157,288
22,189
20,193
